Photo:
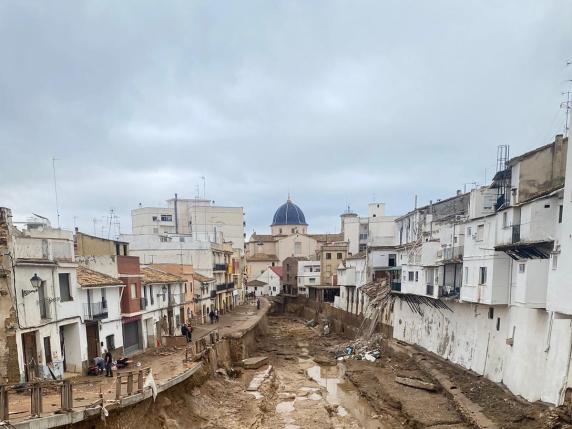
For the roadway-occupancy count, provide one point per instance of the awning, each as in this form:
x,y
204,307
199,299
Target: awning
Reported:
x,y
530,250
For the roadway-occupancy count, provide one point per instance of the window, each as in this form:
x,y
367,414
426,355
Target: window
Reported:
x,y
110,342
44,307
103,298
521,268
154,218
466,275
64,279
411,276
469,230
151,294
47,350
455,238
480,232
491,313
166,218
339,256
560,210
133,291
505,219
312,280
280,230
328,256
298,248
554,261
416,276
498,323
482,275
164,239
391,261
293,230
181,239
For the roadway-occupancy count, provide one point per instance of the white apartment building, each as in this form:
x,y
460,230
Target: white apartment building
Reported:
x,y
199,218
308,275
508,320
352,275
375,230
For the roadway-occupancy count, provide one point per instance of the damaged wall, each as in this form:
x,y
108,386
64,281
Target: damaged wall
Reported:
x,y
9,370
479,339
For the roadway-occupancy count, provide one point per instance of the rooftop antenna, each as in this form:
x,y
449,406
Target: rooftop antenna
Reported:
x,y
567,105
503,152
204,187
56,189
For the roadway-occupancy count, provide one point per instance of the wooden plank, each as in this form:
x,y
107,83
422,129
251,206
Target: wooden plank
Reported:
x,y
416,384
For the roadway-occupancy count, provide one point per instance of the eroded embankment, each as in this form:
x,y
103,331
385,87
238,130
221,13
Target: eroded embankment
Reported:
x,y
183,405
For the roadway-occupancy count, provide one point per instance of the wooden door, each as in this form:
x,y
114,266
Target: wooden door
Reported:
x,y
92,334
182,315
30,355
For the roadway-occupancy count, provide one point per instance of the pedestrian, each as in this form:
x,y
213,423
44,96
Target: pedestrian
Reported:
x,y
212,316
189,332
258,304
99,363
185,331
216,315
108,359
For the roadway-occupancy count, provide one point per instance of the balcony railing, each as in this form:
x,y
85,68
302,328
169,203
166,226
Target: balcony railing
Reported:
x,y
515,233
450,253
219,267
95,310
224,286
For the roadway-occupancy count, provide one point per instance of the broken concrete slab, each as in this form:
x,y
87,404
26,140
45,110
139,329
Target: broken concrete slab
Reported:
x,y
258,379
416,384
255,362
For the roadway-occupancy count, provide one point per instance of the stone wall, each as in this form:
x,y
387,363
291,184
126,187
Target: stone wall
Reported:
x,y
9,369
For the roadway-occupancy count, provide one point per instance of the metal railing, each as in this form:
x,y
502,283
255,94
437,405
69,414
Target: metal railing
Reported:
x,y
396,286
219,267
224,286
449,253
95,310
448,291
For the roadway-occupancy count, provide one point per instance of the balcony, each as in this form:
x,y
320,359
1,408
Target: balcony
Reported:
x,y
224,286
95,310
213,294
454,253
219,267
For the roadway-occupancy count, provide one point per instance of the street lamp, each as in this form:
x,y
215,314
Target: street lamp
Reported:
x,y
36,282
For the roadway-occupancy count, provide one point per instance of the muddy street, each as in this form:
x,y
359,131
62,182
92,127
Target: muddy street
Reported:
x,y
297,392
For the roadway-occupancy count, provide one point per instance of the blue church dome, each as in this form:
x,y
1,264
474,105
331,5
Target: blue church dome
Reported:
x,y
289,214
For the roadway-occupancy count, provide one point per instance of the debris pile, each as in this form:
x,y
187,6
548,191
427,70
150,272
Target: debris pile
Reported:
x,y
361,349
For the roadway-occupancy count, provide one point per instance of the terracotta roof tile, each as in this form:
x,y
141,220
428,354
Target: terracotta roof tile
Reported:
x,y
262,257
202,279
155,276
90,278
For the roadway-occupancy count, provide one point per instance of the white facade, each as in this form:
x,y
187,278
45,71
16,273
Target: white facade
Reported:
x,y
351,277
197,217
308,275
272,280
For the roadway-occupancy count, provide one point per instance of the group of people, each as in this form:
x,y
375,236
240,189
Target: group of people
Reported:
x,y
213,315
187,331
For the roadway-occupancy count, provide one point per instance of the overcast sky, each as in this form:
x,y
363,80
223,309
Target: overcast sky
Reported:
x,y
337,102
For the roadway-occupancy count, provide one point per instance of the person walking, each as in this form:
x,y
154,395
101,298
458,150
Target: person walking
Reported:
x,y
108,359
189,332
216,315
258,304
212,316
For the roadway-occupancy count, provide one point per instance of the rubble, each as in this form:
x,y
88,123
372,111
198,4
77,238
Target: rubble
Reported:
x,y
361,349
416,384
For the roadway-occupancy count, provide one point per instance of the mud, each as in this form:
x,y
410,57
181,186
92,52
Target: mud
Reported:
x,y
307,388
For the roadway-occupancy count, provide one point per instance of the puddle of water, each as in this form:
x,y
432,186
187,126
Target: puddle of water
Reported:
x,y
343,394
285,407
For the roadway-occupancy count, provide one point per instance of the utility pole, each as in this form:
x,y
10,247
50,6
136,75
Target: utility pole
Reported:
x,y
56,190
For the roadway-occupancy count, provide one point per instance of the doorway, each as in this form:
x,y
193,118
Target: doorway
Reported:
x,y
92,334
30,355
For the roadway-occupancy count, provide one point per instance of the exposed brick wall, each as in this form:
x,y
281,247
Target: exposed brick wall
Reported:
x,y
9,370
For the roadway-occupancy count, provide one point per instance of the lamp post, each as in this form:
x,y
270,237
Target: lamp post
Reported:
x,y
36,282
